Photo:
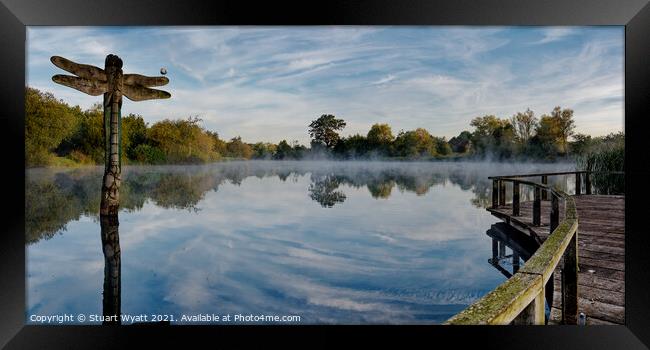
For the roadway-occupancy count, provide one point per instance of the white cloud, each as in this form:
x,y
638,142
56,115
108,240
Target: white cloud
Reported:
x,y
268,83
384,80
554,34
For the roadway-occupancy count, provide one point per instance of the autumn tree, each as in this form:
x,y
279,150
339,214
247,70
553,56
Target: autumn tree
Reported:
x,y
524,125
565,125
380,137
236,148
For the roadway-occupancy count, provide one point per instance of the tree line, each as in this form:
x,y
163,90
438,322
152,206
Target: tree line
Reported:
x,y
59,134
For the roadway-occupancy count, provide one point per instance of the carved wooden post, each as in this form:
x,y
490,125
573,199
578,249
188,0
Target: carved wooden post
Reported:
x,y
112,269
537,207
570,283
110,202
495,193
587,183
555,213
578,183
111,82
515,198
544,192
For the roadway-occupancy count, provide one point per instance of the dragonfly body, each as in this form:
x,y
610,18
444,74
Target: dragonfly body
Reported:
x,y
113,84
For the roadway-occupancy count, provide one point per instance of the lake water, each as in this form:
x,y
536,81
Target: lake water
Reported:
x,y
331,242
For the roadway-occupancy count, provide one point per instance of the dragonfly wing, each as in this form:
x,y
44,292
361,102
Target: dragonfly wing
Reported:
x,y
141,93
91,87
82,70
137,79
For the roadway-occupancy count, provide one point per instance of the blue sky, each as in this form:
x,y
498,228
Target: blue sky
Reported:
x,y
268,83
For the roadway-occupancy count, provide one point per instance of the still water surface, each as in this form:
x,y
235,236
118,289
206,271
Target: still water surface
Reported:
x,y
332,242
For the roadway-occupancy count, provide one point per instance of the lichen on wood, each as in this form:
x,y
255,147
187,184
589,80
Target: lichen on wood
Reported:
x,y
509,299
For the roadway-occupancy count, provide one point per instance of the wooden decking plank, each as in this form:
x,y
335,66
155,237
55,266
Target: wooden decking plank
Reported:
x,y
601,249
590,280
598,309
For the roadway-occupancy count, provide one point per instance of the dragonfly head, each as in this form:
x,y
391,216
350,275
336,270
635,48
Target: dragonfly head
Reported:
x,y
113,61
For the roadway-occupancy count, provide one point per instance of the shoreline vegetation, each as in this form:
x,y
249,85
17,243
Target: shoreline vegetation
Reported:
x,y
60,135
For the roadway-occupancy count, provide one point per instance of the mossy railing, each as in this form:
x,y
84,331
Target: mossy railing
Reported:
x,y
520,299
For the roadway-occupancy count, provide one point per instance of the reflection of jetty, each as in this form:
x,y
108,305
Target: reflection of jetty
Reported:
x,y
587,278
521,245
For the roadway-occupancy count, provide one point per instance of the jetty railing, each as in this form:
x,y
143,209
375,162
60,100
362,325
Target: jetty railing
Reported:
x,y
520,299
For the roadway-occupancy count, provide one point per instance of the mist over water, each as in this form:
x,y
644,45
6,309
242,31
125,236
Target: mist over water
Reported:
x,y
334,242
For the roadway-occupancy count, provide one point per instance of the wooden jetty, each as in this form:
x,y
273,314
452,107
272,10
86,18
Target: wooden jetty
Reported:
x,y
586,278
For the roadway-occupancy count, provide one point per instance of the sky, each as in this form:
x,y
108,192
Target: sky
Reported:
x,y
268,83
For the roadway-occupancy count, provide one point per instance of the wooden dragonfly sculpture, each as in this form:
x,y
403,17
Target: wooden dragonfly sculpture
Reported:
x,y
111,82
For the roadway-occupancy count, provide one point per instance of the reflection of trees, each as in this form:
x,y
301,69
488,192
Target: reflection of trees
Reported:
x,y
53,198
323,190
180,192
381,189
52,201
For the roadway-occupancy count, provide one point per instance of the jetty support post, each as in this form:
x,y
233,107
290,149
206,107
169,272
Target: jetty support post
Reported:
x,y
515,261
495,193
502,192
533,314
545,192
570,283
537,206
578,183
515,198
587,183
555,213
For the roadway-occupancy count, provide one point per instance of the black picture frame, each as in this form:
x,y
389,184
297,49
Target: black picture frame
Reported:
x,y
15,15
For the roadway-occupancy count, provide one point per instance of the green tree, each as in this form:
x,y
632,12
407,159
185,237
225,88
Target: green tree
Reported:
x,y
148,154
182,141
442,146
48,122
263,150
352,146
415,143
461,143
283,150
324,130
380,136
546,140
88,138
493,135
134,133
581,144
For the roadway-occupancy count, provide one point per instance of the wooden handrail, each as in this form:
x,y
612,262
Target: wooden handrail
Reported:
x,y
499,189
556,173
520,299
